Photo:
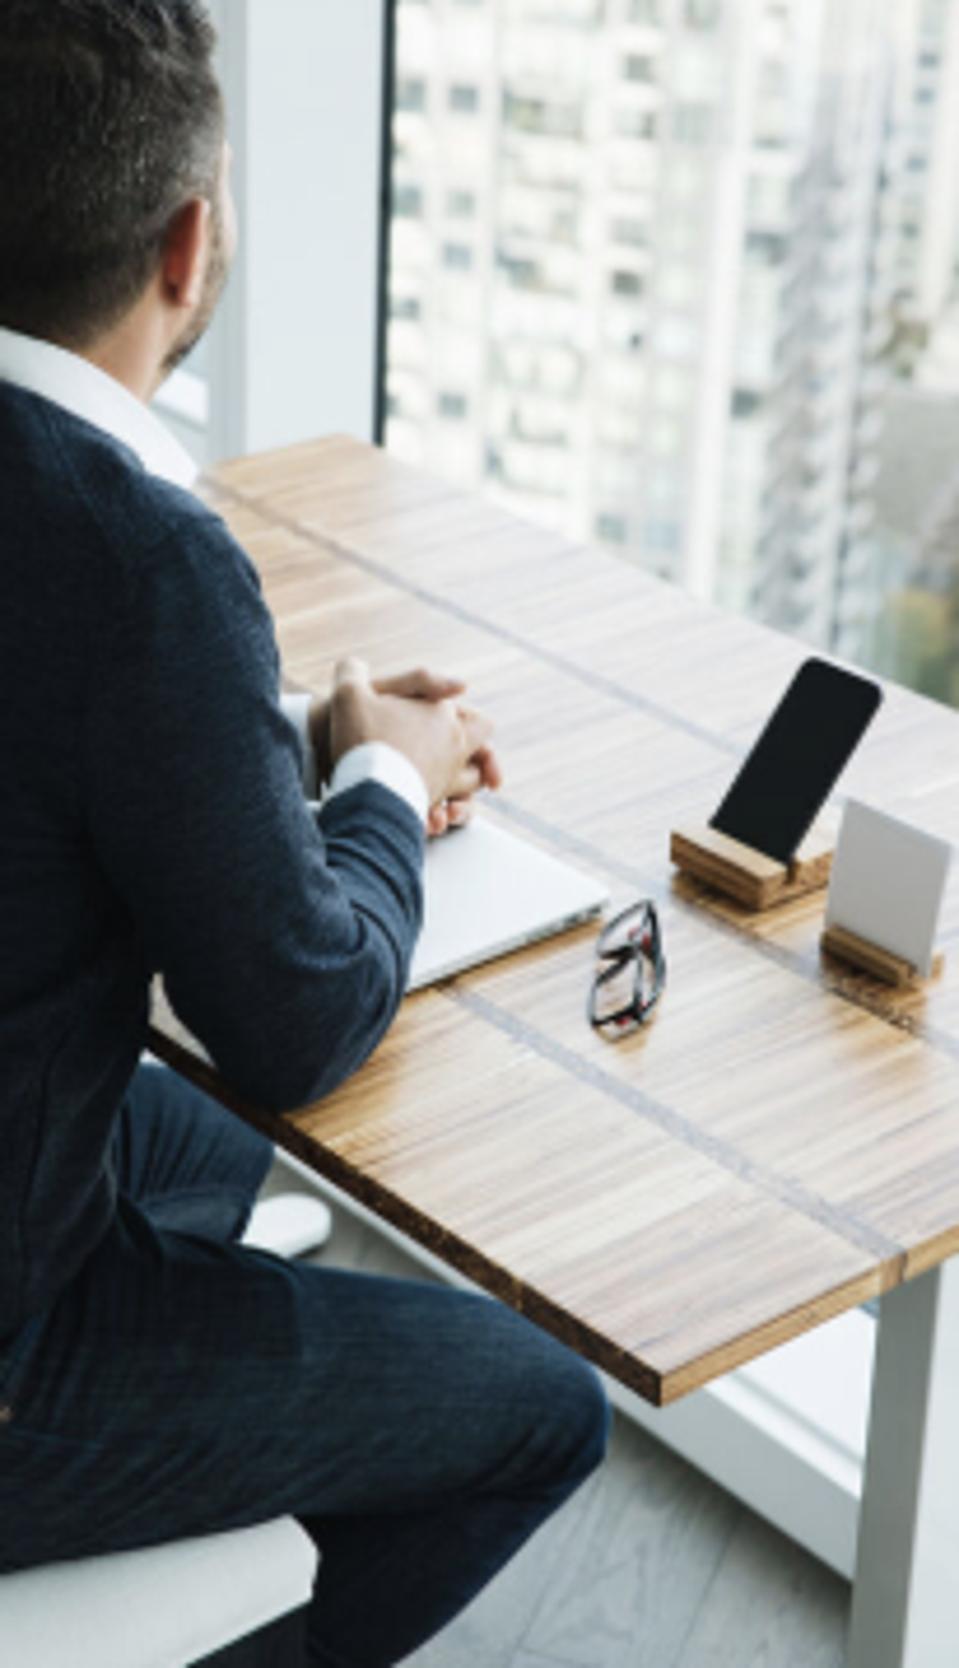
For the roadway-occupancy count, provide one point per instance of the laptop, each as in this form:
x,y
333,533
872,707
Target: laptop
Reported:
x,y
488,891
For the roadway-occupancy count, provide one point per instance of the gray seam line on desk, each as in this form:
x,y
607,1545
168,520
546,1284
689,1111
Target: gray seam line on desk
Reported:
x,y
789,1193
940,1040
594,680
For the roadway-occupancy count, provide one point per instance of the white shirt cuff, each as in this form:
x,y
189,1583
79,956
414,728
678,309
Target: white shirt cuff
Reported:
x,y
377,761
297,710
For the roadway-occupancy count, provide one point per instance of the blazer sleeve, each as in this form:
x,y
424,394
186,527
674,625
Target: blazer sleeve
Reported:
x,y
284,938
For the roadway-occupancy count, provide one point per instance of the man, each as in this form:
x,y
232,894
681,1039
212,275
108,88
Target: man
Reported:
x,y
157,1380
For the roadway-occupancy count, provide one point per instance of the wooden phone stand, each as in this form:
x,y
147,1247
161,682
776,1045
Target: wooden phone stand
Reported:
x,y
870,958
753,879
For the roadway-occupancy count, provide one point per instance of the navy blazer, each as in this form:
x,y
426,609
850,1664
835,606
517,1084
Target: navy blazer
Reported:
x,y
153,819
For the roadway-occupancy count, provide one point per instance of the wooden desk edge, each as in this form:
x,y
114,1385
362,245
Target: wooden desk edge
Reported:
x,y
653,1386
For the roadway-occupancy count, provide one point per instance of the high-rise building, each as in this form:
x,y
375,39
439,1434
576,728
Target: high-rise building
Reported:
x,y
644,267
928,56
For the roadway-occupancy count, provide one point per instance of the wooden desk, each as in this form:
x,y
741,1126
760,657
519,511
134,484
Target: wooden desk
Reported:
x,y
783,1141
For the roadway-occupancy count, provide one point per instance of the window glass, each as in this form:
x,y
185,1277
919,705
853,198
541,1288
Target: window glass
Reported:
x,y
695,270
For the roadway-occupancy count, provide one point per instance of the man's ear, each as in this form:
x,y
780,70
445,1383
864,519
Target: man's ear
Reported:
x,y
186,253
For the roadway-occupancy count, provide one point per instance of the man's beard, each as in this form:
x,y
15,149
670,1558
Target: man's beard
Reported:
x,y
217,274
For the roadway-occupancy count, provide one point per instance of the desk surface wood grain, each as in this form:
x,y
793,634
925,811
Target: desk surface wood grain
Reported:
x,y
783,1141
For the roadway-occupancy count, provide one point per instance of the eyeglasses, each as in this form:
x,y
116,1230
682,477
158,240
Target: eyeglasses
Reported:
x,y
632,972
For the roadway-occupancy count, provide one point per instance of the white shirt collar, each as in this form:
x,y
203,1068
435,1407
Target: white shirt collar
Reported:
x,y
86,391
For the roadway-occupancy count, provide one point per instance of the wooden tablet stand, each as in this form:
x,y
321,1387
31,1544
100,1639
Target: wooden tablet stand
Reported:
x,y
870,958
756,881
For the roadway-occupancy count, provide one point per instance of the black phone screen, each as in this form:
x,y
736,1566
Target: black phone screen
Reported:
x,y
798,758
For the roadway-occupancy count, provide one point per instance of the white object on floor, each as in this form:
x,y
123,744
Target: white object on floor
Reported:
x,y
289,1224
163,1607
486,891
887,883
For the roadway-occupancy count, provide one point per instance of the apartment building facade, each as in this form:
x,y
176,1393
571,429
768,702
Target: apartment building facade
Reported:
x,y
644,262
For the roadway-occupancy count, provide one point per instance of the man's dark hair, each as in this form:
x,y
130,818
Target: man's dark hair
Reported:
x,y
111,119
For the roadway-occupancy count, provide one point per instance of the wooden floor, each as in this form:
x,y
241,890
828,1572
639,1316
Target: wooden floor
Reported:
x,y
649,1566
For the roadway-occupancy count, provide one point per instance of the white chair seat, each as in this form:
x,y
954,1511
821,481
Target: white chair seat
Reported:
x,y
162,1607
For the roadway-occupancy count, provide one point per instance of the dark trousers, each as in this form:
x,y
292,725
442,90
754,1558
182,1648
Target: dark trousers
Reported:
x,y
183,1384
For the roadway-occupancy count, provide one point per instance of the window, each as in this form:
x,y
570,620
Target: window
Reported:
x,y
745,402
410,94
636,124
589,196
633,232
693,124
406,307
408,202
627,283
612,529
639,68
767,247
461,204
703,14
522,272
457,256
558,118
464,98
453,405
662,536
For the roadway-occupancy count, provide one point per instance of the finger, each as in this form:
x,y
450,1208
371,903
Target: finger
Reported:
x,y
350,670
489,767
420,685
478,729
467,782
459,812
438,820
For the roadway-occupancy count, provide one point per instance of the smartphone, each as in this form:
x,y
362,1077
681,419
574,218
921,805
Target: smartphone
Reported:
x,y
798,759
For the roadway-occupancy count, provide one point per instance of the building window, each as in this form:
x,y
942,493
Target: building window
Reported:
x,y
703,14
770,248
457,256
408,202
636,124
744,402
662,536
453,405
612,529
406,307
461,204
693,124
634,233
639,67
464,99
626,283
410,93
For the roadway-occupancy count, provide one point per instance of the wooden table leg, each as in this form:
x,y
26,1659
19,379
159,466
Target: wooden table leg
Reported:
x,y
905,1608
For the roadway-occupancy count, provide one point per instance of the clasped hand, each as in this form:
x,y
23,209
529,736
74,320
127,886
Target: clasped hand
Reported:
x,y
422,715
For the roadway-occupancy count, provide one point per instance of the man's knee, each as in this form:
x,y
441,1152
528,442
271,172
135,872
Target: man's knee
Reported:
x,y
560,1404
579,1416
